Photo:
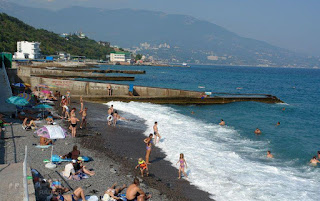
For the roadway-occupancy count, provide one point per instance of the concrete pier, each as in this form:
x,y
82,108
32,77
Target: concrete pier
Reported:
x,y
95,77
96,91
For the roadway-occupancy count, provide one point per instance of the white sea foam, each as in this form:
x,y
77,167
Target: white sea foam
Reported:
x,y
223,163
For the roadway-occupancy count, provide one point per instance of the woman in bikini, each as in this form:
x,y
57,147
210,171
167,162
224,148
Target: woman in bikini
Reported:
x,y
77,194
113,191
73,121
183,163
148,142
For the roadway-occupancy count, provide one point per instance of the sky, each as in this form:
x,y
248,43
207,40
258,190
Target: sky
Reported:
x,y
291,24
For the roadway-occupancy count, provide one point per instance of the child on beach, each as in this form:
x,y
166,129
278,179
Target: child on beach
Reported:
x,y
182,162
84,118
143,166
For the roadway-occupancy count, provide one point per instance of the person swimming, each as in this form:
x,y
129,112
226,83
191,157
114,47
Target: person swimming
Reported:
x,y
257,131
269,155
222,123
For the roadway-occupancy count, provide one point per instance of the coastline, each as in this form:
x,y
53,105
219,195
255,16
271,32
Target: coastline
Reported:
x,y
125,145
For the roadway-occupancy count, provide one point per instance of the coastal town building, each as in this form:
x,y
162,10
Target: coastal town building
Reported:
x,y
103,43
120,57
27,50
63,56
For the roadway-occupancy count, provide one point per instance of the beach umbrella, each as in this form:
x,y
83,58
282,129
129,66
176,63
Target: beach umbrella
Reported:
x,y
42,85
18,101
46,91
25,96
43,106
52,132
19,85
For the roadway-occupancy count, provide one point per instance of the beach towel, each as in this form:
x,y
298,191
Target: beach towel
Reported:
x,y
91,198
58,159
43,146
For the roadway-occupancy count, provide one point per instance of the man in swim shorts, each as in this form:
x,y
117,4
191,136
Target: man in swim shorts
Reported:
x,y
134,192
156,133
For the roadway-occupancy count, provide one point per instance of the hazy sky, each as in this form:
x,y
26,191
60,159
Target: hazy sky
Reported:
x,y
292,24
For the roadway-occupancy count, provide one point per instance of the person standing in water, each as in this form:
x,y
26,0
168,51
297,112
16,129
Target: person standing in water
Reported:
x,y
110,110
148,142
222,123
183,164
156,133
269,155
314,161
257,131
318,154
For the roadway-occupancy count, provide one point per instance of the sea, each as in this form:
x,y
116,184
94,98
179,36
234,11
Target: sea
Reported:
x,y
230,161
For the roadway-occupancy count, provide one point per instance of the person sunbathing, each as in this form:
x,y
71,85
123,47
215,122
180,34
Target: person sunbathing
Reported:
x,y
76,195
45,141
112,192
49,120
57,188
30,125
74,154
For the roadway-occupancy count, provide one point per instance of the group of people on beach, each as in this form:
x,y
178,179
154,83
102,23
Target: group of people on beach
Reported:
x,y
113,117
70,116
143,164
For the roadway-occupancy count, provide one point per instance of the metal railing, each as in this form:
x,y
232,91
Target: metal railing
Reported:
x,y
25,179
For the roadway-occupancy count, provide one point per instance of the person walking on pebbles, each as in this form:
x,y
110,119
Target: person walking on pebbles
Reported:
x,y
183,164
148,142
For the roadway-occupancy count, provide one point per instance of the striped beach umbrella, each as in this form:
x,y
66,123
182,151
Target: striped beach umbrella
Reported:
x,y
25,96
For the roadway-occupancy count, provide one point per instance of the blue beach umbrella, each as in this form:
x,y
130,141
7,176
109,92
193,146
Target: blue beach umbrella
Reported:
x,y
18,101
43,106
19,85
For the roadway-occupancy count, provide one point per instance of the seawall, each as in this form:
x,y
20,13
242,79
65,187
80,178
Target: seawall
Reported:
x,y
96,91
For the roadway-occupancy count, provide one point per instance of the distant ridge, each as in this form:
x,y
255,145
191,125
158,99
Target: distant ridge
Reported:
x,y
191,40
13,30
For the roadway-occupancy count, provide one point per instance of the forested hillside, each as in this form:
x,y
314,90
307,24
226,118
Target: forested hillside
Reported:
x,y
13,30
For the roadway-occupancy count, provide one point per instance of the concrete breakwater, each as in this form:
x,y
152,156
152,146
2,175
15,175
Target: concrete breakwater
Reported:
x,y
96,91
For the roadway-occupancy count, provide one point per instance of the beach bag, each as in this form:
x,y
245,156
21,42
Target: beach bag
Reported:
x,y
106,197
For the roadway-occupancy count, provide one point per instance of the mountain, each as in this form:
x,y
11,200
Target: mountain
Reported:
x,y
190,39
13,30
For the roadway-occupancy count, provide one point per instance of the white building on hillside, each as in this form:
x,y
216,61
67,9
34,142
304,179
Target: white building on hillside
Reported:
x,y
27,50
120,56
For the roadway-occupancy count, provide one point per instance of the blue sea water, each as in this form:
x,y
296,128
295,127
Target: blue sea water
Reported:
x,y
237,167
